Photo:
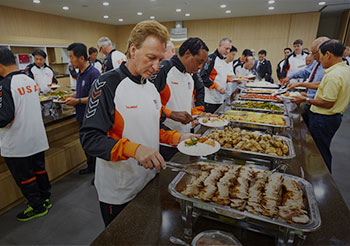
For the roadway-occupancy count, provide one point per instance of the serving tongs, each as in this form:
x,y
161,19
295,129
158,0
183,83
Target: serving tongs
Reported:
x,y
182,168
280,91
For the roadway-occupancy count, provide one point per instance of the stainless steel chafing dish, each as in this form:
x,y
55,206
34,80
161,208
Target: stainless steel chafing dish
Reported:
x,y
259,110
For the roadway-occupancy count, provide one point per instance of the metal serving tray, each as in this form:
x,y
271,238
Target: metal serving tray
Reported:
x,y
256,99
258,109
182,179
261,90
287,120
256,154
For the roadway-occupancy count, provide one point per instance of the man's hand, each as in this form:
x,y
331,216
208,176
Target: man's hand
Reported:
x,y
299,99
182,117
303,94
221,89
285,80
149,158
188,136
72,101
292,86
195,123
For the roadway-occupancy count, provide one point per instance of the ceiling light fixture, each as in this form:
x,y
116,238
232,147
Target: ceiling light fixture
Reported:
x,y
106,16
321,3
105,3
223,6
152,17
36,1
178,10
228,11
271,1
65,8
271,8
139,13
187,14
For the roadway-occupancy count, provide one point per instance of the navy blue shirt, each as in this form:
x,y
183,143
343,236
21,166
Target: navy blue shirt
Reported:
x,y
84,83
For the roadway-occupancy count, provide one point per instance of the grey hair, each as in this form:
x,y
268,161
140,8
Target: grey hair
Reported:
x,y
318,41
225,39
170,44
104,41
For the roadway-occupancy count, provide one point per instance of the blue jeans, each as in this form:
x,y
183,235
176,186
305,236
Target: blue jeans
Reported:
x,y
322,129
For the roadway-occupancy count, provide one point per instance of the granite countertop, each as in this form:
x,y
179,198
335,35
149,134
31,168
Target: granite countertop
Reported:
x,y
154,215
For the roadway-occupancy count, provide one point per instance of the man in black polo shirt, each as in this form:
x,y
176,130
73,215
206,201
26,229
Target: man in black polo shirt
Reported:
x,y
86,76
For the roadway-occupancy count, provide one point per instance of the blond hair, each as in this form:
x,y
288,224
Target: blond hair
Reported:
x,y
144,29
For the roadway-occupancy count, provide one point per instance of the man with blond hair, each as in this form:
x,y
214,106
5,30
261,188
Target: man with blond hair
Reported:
x,y
113,57
122,122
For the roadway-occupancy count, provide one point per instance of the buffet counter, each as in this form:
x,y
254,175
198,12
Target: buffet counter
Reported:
x,y
64,156
155,215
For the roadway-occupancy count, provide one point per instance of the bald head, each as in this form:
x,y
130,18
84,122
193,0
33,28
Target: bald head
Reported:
x,y
315,46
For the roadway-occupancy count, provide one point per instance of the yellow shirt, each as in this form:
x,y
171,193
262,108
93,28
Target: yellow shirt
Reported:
x,y
334,87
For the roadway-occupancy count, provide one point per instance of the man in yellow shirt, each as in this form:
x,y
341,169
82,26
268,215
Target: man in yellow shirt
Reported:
x,y
331,100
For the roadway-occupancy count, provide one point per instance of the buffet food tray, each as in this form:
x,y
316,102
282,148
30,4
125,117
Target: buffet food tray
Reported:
x,y
262,125
257,99
182,179
258,109
259,90
260,86
254,154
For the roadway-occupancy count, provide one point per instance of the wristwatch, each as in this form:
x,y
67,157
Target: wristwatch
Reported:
x,y
308,101
79,101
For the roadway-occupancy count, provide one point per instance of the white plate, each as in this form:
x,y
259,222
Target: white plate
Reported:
x,y
53,86
213,123
300,88
200,149
291,95
57,101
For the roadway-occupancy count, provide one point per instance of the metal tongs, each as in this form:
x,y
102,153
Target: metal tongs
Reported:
x,y
280,91
182,168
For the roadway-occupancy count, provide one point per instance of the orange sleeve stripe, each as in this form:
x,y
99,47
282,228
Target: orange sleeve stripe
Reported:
x,y
213,74
169,137
28,180
166,111
214,86
118,127
197,110
165,95
40,172
123,150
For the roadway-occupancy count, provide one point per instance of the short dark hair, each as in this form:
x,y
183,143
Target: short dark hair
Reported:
x,y
333,46
7,58
92,50
288,49
40,53
262,52
247,52
233,48
298,41
194,45
79,49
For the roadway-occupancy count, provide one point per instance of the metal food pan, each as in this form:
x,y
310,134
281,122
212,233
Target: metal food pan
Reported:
x,y
257,154
259,110
261,90
182,179
257,99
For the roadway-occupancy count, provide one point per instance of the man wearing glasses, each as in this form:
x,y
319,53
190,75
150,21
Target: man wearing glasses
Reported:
x,y
113,57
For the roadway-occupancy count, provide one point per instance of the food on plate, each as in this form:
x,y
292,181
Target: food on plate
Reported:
x,y
212,121
257,105
249,189
235,138
58,93
261,118
43,98
260,96
291,95
194,141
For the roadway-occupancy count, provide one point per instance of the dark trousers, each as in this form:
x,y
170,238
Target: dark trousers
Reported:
x,y
31,177
211,108
306,114
90,160
110,211
322,129
167,152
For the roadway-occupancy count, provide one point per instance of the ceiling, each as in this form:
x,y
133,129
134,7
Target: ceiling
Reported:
x,y
165,10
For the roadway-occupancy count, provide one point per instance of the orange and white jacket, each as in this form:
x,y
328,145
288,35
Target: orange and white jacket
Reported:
x,y
214,73
123,112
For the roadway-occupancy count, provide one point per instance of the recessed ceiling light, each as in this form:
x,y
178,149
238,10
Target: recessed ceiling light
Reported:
x,y
271,8
106,16
187,14
139,13
178,10
152,17
271,1
36,1
120,19
321,3
65,8
223,6
105,3
228,11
